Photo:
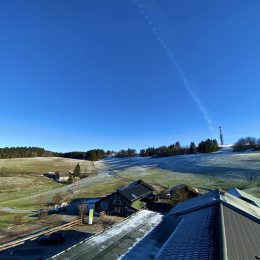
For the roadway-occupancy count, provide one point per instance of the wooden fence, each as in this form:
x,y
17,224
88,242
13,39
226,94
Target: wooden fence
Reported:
x,y
30,237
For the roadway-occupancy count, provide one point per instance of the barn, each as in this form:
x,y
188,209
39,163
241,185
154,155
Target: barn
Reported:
x,y
127,200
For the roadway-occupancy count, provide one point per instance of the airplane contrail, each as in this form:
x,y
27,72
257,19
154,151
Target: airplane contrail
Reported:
x,y
149,14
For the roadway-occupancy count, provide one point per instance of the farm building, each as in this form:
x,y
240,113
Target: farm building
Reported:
x,y
127,200
64,176
216,225
183,192
52,175
58,176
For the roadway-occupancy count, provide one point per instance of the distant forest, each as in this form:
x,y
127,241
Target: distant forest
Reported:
x,y
91,155
98,154
22,152
206,146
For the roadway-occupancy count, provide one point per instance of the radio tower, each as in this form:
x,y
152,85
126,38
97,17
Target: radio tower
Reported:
x,y
221,136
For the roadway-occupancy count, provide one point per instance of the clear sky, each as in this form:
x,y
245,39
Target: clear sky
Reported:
x,y
77,75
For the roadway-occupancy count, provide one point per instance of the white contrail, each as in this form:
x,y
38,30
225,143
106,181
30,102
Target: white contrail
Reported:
x,y
150,17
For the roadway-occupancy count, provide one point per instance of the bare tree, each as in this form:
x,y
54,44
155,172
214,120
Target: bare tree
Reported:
x,y
57,198
69,196
82,209
41,202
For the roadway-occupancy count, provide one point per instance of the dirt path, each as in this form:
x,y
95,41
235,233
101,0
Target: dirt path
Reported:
x,y
17,211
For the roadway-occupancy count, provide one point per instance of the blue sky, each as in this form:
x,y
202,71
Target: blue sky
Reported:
x,y
77,75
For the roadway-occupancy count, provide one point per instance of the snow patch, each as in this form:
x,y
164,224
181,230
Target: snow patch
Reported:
x,y
127,225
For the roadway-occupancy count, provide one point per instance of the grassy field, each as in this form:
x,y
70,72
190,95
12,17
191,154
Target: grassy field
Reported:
x,y
20,178
40,165
12,188
169,178
204,171
7,219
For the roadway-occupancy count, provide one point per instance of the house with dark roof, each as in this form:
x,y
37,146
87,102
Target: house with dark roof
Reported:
x,y
216,225
127,200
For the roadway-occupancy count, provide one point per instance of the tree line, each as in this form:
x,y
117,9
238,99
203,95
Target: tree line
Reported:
x,y
23,152
126,153
91,155
246,143
98,154
206,146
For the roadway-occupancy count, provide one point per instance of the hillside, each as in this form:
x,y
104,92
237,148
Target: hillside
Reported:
x,y
22,177
223,169
40,165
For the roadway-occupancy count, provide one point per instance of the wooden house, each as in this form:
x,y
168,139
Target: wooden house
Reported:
x,y
127,200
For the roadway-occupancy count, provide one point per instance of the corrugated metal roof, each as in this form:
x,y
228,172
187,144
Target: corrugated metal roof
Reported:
x,y
216,225
242,236
241,205
145,184
241,194
194,238
214,197
135,192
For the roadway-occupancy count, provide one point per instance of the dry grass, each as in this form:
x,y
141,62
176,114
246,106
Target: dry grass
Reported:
x,y
8,219
21,186
40,165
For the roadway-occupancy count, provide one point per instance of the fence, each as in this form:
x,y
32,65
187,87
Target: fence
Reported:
x,y
35,236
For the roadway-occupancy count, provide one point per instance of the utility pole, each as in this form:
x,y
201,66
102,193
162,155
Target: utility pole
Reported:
x,y
221,136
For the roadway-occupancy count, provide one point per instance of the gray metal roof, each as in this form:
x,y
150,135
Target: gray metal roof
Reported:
x,y
213,197
193,238
243,195
242,236
242,206
216,225
133,193
145,184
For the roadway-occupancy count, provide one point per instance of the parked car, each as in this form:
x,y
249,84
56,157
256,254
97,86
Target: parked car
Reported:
x,y
53,238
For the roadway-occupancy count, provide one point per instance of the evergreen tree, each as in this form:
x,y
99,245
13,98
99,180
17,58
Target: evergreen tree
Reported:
x,y
77,171
192,148
178,145
208,146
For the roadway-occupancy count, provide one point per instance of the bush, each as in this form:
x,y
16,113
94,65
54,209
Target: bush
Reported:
x,y
18,220
58,198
